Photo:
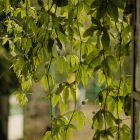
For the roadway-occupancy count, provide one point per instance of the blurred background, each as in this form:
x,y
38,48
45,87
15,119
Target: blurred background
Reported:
x,y
31,121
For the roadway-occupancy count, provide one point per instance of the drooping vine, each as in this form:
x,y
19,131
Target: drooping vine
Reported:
x,y
50,31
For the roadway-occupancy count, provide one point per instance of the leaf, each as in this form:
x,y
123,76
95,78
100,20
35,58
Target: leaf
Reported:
x,y
62,106
45,82
73,69
85,117
108,119
65,95
72,92
90,31
95,21
70,133
84,77
55,99
79,120
86,7
98,121
69,112
113,10
111,105
50,44
60,64
105,40
113,62
56,130
28,46
49,81
21,97
118,3
91,56
66,64
127,104
34,27
126,31
118,108
101,78
113,129
72,61
95,62
72,126
60,88
70,33
101,10
60,35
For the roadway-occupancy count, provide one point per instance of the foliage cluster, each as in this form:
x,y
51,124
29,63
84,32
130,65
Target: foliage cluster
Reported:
x,y
35,34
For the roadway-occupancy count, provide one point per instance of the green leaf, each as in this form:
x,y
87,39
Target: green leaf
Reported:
x,y
85,117
60,88
56,130
113,10
113,129
69,112
66,64
113,62
111,105
70,33
60,64
73,117
70,133
101,78
127,104
24,41
108,119
98,121
86,7
80,7
105,40
28,46
72,92
65,95
55,100
95,21
49,81
45,82
21,97
118,108
50,44
72,126
73,69
62,106
79,120
126,31
34,27
91,56
101,10
60,35
95,62
84,77
90,31
118,3
78,75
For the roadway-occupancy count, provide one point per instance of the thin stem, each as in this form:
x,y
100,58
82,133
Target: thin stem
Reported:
x,y
50,92
120,33
77,71
4,73
105,97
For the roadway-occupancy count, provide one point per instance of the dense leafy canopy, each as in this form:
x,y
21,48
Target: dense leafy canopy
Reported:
x,y
58,25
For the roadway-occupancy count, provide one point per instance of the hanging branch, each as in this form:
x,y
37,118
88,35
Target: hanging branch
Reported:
x,y
107,93
48,77
77,70
120,42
